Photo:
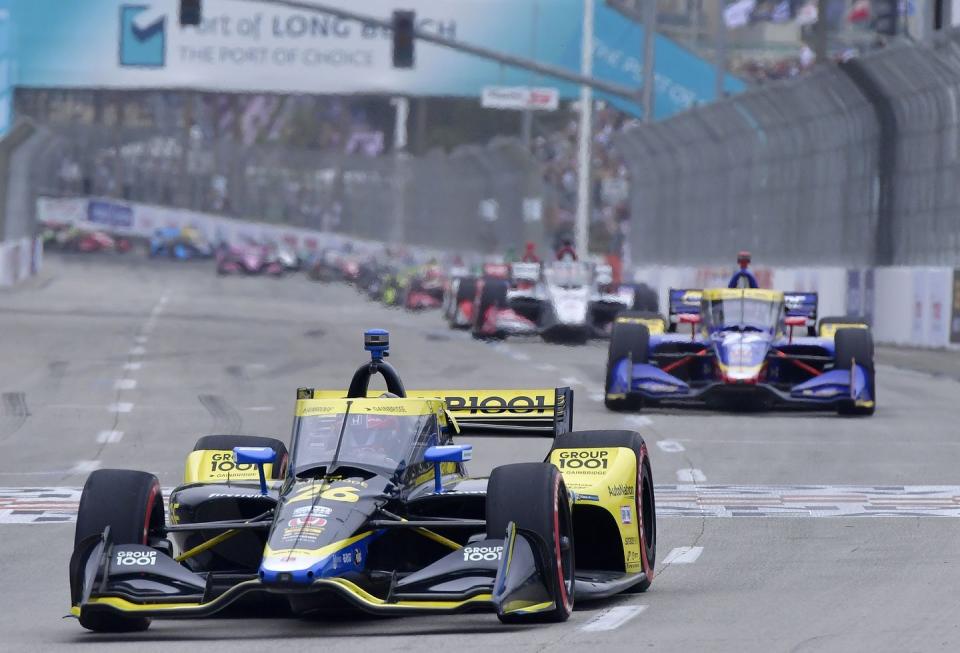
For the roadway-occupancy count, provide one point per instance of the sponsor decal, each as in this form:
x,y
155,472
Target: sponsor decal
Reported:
x,y
306,534
136,558
626,514
143,37
630,541
481,553
588,497
357,557
238,495
307,521
223,462
313,511
955,310
620,490
109,213
583,460
497,405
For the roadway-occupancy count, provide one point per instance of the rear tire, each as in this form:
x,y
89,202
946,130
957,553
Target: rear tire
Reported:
x,y
228,442
131,504
856,345
493,293
625,340
849,319
645,299
545,510
645,503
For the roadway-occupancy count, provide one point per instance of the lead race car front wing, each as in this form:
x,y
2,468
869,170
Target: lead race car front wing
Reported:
x,y
140,581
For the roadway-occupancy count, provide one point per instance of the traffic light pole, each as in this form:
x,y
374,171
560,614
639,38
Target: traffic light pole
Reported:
x,y
617,90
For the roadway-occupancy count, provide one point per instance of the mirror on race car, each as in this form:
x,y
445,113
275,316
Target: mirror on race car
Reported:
x,y
254,455
258,456
450,453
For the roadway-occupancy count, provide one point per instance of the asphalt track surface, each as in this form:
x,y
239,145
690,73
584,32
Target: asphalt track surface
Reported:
x,y
803,532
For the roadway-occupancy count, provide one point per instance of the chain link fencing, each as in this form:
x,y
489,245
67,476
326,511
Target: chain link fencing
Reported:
x,y
472,198
857,164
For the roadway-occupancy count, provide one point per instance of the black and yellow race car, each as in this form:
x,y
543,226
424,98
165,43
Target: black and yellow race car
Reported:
x,y
372,508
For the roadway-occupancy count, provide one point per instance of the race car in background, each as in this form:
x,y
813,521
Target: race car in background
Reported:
x,y
71,238
737,347
179,243
372,509
563,301
248,258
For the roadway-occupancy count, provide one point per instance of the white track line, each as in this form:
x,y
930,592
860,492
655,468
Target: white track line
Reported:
x,y
85,466
638,420
690,475
570,380
596,396
612,618
125,384
132,367
141,340
260,409
683,555
547,367
670,446
109,436
120,407
138,351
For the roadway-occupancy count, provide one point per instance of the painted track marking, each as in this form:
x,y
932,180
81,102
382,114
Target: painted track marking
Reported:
x,y
612,618
683,555
40,504
670,446
132,367
638,420
106,437
691,475
85,466
138,351
120,407
125,384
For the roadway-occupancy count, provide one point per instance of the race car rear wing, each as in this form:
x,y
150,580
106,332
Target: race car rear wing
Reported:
x,y
683,301
802,304
534,411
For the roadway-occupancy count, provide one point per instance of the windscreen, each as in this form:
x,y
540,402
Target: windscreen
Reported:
x,y
742,314
376,442
566,275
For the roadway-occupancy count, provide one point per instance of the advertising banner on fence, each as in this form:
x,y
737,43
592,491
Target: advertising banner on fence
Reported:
x,y
245,46
955,310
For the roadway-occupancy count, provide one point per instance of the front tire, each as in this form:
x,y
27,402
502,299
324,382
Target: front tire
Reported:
x,y
626,339
545,510
856,346
645,504
493,293
131,504
228,442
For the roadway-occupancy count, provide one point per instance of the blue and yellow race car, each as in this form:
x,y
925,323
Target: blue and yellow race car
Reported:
x,y
736,347
372,509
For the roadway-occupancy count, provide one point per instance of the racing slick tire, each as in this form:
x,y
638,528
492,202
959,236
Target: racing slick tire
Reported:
x,y
544,510
131,504
466,291
845,320
856,345
645,299
228,442
493,293
626,339
645,503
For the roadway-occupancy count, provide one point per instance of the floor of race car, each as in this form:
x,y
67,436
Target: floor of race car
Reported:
x,y
777,531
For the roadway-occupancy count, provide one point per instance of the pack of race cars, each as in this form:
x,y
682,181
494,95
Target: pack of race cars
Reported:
x,y
370,507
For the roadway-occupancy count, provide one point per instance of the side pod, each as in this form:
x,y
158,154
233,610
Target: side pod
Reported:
x,y
521,586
